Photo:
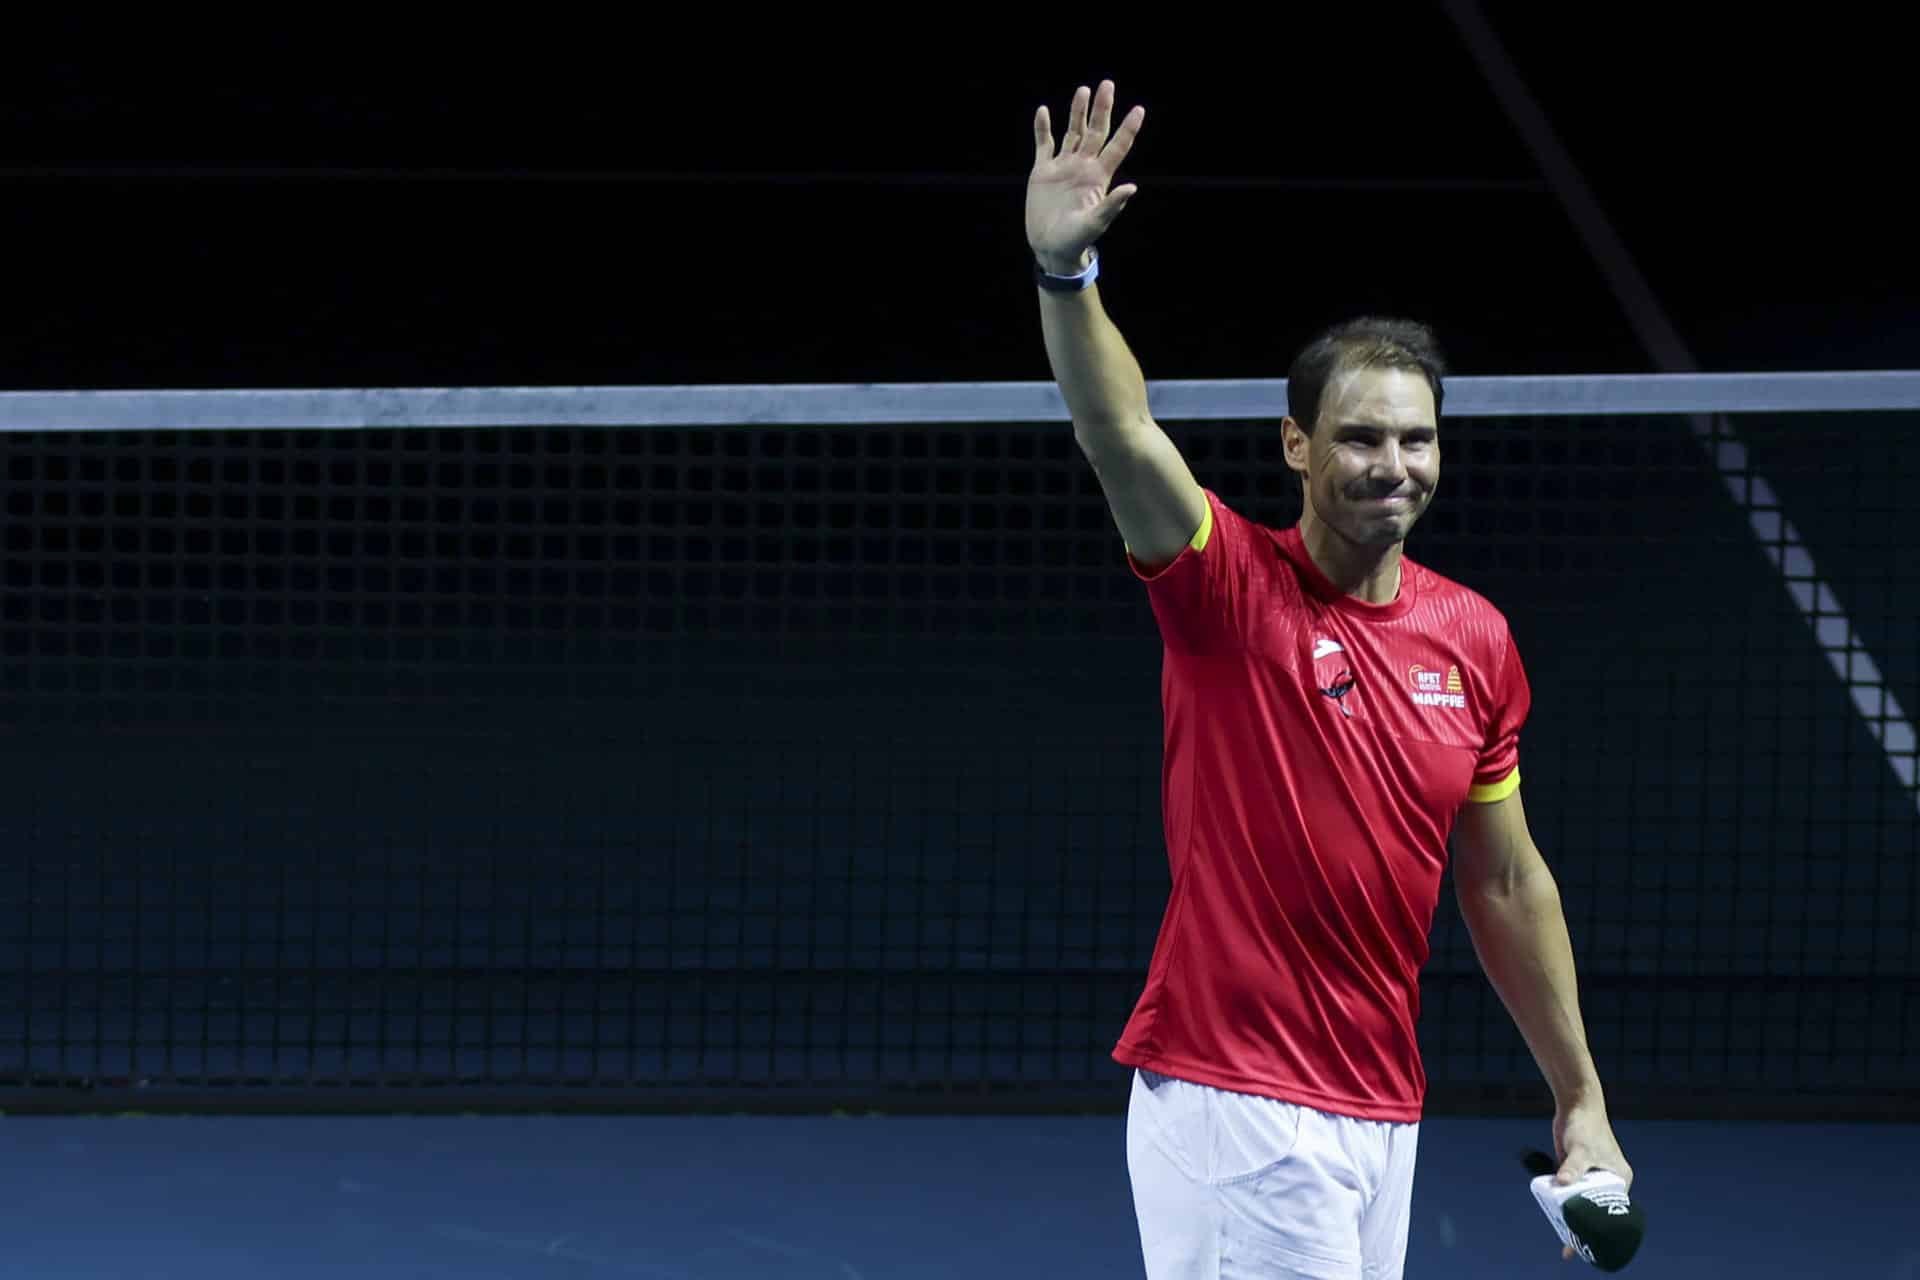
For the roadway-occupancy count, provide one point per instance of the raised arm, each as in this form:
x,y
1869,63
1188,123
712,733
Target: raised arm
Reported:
x,y
1153,496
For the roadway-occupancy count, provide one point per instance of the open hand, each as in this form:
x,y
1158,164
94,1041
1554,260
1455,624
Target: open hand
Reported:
x,y
1069,206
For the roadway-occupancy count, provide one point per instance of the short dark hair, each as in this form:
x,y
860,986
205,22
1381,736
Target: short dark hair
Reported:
x,y
1368,342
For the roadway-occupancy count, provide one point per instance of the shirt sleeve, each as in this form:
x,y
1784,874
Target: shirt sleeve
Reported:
x,y
1199,598
1497,774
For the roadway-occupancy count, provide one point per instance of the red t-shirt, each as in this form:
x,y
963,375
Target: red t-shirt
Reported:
x,y
1318,749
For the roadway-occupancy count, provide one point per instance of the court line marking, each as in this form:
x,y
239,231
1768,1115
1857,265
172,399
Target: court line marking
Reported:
x,y
552,1247
1879,709
795,1251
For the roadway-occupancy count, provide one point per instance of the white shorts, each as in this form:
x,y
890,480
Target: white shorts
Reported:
x,y
1229,1186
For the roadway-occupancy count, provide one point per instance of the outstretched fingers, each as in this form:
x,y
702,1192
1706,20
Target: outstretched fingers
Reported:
x,y
1075,140
1123,137
1100,123
1090,130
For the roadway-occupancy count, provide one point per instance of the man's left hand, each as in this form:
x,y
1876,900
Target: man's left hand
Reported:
x,y
1583,1140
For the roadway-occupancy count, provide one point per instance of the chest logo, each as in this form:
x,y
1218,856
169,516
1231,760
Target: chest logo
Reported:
x,y
1342,686
1434,688
1323,648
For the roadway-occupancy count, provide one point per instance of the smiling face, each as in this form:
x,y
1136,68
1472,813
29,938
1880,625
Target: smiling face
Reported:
x,y
1372,461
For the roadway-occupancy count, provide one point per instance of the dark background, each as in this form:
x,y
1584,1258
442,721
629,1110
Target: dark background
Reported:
x,y
672,200
810,767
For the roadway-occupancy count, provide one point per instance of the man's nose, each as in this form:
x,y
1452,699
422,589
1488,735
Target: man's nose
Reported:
x,y
1389,463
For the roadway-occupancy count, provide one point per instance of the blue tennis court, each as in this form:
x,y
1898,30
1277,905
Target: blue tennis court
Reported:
x,y
854,1198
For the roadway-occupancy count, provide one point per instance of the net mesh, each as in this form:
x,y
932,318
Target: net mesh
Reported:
x,y
822,763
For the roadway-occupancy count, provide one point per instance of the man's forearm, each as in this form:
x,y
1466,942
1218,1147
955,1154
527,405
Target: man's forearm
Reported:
x,y
1099,378
1521,937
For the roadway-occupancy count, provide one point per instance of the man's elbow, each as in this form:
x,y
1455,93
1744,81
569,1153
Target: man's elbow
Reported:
x,y
1517,882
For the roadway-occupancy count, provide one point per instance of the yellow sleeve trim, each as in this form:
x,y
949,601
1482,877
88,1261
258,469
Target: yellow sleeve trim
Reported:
x,y
1199,540
1487,793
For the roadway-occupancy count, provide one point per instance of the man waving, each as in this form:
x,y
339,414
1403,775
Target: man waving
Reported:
x,y
1333,713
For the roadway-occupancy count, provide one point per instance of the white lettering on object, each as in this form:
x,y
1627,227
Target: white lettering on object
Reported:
x,y
1615,1203
1458,701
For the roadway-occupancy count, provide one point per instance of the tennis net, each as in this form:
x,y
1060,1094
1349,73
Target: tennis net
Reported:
x,y
799,746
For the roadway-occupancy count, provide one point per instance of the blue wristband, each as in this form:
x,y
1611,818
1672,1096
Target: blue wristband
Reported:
x,y
1067,284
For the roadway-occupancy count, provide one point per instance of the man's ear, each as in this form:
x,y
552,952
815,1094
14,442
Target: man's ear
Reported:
x,y
1297,444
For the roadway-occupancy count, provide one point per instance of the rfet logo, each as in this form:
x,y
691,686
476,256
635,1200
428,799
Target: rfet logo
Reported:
x,y
1433,688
